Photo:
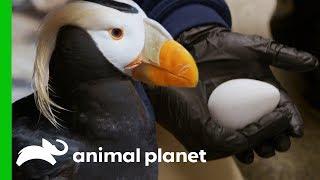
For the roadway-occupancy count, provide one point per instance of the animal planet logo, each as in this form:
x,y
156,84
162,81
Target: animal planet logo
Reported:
x,y
44,152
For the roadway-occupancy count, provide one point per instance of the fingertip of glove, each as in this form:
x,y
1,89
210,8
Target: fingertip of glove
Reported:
x,y
297,132
298,61
310,62
246,157
283,144
314,62
265,150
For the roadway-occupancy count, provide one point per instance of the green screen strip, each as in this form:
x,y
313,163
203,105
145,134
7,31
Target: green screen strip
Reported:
x,y
6,88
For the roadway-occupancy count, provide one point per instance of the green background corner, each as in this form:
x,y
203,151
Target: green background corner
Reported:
x,y
6,90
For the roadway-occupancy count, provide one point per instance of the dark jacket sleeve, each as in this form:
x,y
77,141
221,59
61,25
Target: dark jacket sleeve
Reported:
x,y
180,15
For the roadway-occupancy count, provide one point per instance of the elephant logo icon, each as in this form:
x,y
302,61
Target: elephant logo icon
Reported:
x,y
44,152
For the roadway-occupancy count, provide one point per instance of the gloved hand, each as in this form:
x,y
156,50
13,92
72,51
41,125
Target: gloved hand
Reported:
x,y
221,56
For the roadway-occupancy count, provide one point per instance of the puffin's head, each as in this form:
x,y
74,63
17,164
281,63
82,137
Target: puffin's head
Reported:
x,y
125,36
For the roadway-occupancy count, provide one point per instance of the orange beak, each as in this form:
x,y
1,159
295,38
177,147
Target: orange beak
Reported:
x,y
175,67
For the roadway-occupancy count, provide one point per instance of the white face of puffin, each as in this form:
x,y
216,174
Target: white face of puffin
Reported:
x,y
132,43
120,37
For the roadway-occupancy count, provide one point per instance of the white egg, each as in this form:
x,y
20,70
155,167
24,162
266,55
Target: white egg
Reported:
x,y
239,102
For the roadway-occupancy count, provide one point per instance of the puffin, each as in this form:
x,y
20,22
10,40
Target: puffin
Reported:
x,y
91,58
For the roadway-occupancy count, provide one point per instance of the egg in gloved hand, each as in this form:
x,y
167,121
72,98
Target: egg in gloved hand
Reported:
x,y
240,102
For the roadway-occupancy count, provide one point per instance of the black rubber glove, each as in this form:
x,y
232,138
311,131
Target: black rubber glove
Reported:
x,y
221,56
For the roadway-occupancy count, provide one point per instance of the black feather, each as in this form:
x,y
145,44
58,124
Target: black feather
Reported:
x,y
116,5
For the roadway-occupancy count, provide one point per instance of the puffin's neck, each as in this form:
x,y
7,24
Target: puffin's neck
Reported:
x,y
81,98
75,62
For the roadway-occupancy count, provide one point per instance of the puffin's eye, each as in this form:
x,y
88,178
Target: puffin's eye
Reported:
x,y
116,33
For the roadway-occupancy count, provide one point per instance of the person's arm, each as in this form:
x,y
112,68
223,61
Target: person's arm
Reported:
x,y
180,15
